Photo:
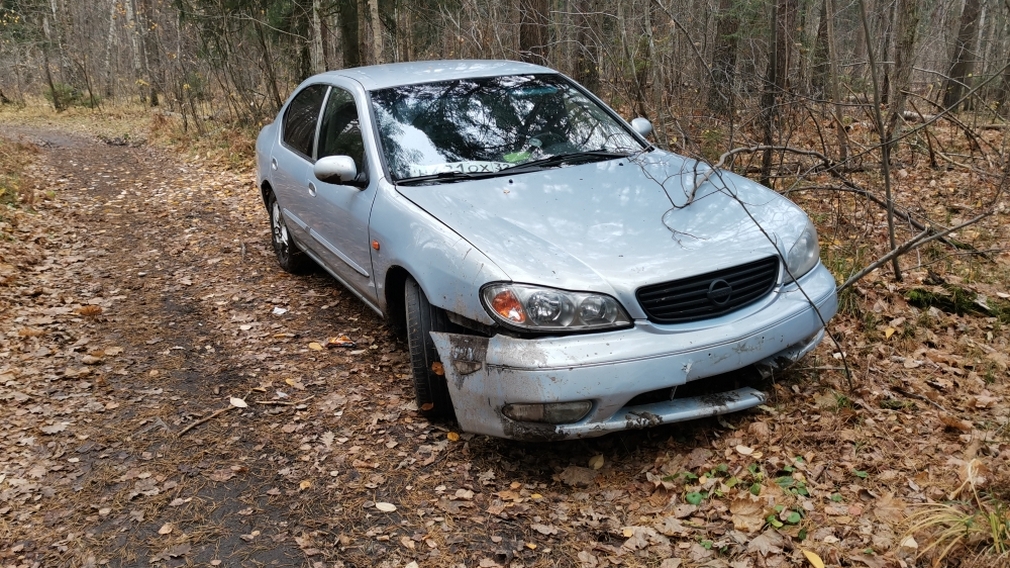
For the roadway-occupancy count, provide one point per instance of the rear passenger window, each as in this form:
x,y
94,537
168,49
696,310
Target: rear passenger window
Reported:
x,y
301,118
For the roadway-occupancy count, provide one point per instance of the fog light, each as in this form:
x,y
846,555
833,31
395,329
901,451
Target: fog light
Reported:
x,y
551,412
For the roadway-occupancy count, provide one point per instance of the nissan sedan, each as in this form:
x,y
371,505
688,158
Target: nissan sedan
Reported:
x,y
555,274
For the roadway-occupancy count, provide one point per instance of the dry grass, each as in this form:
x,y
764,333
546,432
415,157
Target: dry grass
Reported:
x,y
979,523
14,158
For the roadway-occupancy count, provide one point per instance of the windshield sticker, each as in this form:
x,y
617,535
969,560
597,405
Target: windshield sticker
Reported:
x,y
474,167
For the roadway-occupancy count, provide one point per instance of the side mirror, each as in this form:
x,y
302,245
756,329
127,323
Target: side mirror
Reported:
x,y
642,126
338,170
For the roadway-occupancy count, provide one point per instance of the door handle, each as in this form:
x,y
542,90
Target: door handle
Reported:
x,y
312,189
273,164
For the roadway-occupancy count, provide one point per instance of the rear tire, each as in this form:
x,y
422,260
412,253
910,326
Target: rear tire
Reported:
x,y
432,392
289,255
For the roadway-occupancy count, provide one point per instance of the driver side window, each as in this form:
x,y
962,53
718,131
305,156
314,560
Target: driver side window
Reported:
x,y
340,131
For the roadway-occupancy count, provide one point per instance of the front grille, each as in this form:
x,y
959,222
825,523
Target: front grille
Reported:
x,y
708,295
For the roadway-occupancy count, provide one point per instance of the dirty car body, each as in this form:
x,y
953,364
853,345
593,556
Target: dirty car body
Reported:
x,y
555,274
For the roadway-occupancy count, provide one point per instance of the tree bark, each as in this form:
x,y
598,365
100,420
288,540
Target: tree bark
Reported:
x,y
533,31
721,91
904,56
348,21
587,69
962,61
376,27
316,55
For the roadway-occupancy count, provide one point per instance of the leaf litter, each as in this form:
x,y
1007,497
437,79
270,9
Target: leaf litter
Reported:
x,y
119,336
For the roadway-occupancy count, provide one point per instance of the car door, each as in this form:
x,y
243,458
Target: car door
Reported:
x,y
293,158
339,213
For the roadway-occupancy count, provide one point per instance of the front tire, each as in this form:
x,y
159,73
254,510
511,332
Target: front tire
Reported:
x,y
289,255
432,393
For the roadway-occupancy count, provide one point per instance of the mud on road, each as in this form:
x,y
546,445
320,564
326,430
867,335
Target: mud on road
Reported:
x,y
142,296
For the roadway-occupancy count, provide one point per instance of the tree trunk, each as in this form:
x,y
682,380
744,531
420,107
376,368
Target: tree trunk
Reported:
x,y
587,70
785,26
317,59
133,30
769,96
376,27
363,47
110,40
720,94
349,33
962,61
533,31
833,92
268,67
887,25
904,56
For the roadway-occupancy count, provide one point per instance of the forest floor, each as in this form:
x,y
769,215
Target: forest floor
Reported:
x,y
166,400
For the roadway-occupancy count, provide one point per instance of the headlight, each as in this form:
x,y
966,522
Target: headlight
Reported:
x,y
535,308
804,254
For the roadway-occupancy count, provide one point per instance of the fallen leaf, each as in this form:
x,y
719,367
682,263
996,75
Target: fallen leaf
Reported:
x,y
238,402
452,436
90,311
544,529
55,428
166,528
577,476
341,341
385,507
437,368
315,346
305,484
596,462
748,514
812,557
955,423
768,542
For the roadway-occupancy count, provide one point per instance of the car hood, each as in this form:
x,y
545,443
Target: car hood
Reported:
x,y
617,225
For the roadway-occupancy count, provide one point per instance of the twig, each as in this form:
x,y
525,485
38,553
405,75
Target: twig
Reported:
x,y
214,415
915,242
917,396
285,402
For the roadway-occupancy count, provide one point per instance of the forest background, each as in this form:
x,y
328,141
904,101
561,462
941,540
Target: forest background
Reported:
x,y
885,119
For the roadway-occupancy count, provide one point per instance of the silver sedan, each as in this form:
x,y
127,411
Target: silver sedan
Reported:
x,y
555,275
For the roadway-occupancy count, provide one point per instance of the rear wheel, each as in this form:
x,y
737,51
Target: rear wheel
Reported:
x,y
429,377
289,255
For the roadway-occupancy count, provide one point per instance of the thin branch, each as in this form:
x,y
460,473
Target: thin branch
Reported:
x,y
915,242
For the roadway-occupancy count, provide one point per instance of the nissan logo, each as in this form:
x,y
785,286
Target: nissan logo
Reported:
x,y
720,292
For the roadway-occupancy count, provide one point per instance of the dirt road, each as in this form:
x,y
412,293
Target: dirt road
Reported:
x,y
167,399
141,298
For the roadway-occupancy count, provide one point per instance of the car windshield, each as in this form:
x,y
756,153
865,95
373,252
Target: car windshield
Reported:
x,y
478,127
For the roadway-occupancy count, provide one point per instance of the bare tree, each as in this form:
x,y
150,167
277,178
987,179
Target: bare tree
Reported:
x,y
533,31
962,59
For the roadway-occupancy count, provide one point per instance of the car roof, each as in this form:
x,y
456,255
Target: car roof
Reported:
x,y
394,74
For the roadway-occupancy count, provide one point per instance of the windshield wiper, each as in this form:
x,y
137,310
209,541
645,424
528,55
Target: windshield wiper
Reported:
x,y
568,158
447,177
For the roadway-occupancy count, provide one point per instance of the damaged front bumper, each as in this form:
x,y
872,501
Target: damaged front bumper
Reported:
x,y
610,369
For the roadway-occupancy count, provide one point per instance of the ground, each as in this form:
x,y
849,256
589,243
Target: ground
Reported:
x,y
168,398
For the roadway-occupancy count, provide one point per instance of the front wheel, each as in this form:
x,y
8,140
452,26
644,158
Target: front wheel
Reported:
x,y
289,255
429,377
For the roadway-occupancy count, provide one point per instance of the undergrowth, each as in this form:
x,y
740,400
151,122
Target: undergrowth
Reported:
x,y
978,523
14,157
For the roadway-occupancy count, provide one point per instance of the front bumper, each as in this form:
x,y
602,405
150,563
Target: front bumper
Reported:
x,y
611,368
